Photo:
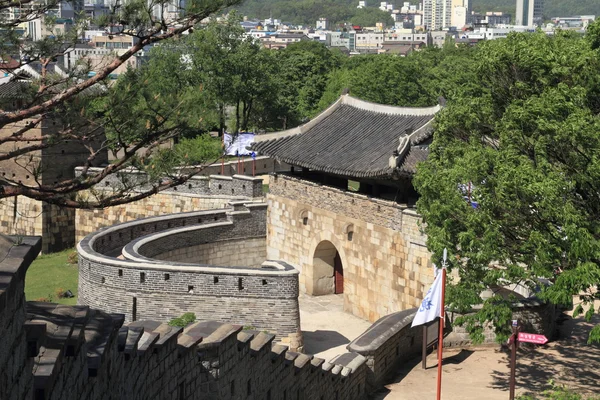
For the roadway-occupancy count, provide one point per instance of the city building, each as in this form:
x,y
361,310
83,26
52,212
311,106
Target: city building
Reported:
x,y
322,24
437,14
581,21
490,19
529,12
282,40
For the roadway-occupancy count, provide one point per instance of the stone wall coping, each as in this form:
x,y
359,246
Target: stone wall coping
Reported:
x,y
268,268
85,247
359,196
412,212
381,331
257,204
247,178
132,249
221,177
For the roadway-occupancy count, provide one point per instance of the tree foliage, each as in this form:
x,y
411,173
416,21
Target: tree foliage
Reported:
x,y
524,148
87,112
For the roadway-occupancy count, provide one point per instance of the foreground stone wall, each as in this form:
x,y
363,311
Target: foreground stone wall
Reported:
x,y
57,352
142,286
385,261
16,379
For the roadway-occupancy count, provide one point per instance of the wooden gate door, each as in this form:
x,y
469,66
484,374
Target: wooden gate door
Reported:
x,y
338,274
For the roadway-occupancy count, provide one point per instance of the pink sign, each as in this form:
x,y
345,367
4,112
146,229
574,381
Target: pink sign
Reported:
x,y
532,338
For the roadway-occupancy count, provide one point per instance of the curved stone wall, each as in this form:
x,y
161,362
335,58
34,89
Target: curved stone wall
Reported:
x,y
121,271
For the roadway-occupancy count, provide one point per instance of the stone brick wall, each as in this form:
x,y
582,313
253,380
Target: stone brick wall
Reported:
x,y
385,261
199,193
250,252
24,216
144,287
16,380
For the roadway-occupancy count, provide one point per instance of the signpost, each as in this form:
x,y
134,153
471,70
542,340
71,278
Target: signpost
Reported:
x,y
532,338
514,340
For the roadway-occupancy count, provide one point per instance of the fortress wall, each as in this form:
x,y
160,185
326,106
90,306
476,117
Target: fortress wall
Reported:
x,y
142,286
250,252
16,380
22,216
57,352
386,264
255,299
199,193
61,228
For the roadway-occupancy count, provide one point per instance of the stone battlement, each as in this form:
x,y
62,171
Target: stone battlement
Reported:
x,y
161,267
81,353
240,186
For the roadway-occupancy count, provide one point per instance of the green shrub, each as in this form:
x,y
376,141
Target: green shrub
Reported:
x,y
184,320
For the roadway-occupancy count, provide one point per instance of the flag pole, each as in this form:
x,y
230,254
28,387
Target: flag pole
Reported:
x,y
441,331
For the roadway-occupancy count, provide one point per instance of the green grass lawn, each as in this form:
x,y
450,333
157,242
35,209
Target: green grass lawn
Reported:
x,y
49,273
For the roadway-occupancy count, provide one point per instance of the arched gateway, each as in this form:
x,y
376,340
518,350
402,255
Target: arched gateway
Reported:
x,y
327,270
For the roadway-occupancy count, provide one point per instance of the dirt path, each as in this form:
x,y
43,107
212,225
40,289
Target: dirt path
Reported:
x,y
483,373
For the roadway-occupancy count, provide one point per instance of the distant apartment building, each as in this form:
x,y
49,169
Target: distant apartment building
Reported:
x,y
282,40
490,19
385,6
493,33
437,14
64,14
574,22
322,24
100,51
529,12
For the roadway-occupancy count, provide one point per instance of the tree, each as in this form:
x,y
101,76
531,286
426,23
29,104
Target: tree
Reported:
x,y
370,16
384,79
235,69
304,69
79,105
511,186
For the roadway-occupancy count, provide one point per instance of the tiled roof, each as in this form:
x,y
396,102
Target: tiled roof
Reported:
x,y
355,138
15,89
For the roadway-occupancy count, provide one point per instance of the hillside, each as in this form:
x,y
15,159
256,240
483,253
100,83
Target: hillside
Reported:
x,y
552,8
308,11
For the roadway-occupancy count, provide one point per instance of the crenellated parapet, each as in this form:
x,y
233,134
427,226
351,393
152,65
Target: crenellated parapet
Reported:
x,y
87,354
161,267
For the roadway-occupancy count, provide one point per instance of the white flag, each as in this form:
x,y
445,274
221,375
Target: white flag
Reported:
x,y
431,306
